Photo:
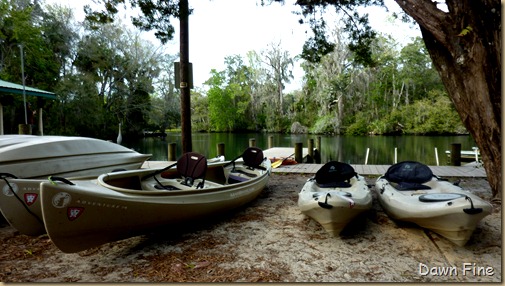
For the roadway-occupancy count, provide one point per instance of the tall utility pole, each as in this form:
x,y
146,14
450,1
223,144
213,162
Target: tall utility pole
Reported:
x,y
184,76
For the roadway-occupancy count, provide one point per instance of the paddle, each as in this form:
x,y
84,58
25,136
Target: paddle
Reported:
x,y
279,162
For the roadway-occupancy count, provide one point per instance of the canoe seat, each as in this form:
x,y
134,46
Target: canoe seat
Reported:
x,y
252,156
192,166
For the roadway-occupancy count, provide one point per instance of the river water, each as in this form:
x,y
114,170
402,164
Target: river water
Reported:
x,y
349,149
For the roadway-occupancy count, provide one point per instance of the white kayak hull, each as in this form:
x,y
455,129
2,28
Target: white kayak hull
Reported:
x,y
120,205
346,203
28,156
440,209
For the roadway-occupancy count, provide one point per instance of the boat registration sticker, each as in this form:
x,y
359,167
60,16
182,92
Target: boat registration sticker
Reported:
x,y
61,200
30,198
74,212
8,191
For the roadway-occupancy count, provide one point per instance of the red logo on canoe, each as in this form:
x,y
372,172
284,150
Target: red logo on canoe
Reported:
x,y
74,212
30,198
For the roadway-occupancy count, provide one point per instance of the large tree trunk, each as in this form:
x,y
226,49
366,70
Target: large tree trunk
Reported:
x,y
465,47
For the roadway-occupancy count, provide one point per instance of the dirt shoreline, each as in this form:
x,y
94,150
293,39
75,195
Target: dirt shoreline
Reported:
x,y
268,241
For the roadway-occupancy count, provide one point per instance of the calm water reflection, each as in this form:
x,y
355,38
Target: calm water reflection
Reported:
x,y
349,149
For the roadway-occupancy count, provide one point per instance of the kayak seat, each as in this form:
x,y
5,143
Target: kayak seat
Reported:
x,y
253,157
192,166
409,175
335,174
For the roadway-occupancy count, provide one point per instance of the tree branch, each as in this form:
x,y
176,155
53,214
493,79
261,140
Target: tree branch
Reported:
x,y
428,16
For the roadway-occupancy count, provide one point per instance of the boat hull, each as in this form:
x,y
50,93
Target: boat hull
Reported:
x,y
344,208
92,213
28,156
447,218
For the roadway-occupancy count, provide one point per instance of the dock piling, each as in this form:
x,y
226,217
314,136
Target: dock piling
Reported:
x,y
172,156
366,156
220,149
456,154
270,142
310,156
299,152
252,142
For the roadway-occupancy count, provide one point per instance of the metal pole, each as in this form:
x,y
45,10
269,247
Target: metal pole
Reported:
x,y
23,80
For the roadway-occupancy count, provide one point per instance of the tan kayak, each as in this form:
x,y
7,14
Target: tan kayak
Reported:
x,y
124,204
410,192
336,201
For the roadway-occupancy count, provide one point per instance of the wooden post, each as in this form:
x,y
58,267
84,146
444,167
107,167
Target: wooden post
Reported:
x,y
1,119
456,154
41,123
366,156
396,155
299,152
270,142
172,156
184,76
252,142
436,156
25,129
317,153
310,157
220,149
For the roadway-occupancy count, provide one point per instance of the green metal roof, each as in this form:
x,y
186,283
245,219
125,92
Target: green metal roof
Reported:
x,y
10,87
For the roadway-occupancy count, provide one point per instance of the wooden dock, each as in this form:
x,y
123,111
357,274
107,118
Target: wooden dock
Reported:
x,y
365,170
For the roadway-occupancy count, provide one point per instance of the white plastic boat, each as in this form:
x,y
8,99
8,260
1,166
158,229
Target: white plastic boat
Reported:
x,y
409,192
335,196
27,156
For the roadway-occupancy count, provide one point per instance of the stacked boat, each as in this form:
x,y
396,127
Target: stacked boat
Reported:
x,y
83,214
27,160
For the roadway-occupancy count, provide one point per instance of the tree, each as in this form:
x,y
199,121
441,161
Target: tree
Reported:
x,y
463,38
156,16
280,66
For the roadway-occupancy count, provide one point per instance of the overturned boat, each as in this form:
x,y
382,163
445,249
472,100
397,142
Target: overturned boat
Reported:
x,y
335,196
84,214
409,191
28,156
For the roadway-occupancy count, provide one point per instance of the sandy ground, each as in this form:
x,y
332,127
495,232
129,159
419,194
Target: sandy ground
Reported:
x,y
269,240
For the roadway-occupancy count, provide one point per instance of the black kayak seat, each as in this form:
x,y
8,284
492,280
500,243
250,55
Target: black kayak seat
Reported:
x,y
335,174
192,166
409,175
